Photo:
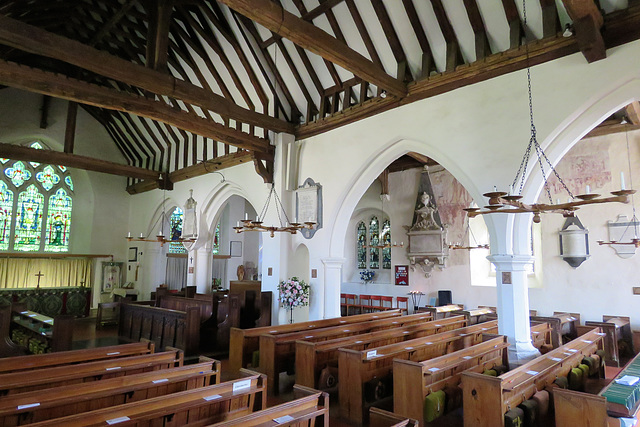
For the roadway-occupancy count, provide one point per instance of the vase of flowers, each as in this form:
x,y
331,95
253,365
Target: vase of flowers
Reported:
x,y
293,293
367,276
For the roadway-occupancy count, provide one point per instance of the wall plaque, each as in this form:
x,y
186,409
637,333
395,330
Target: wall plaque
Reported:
x,y
309,206
402,275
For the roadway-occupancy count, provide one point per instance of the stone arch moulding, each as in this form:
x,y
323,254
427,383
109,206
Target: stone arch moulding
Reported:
x,y
560,141
362,178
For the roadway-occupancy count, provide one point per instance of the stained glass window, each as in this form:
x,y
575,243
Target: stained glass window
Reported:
x,y
176,232
18,174
386,240
361,242
38,218
374,239
48,177
28,229
216,240
6,207
58,222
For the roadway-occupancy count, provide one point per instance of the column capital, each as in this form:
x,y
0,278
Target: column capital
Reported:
x,y
510,262
333,262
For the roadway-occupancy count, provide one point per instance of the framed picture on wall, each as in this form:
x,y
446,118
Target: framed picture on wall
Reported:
x,y
112,276
235,249
402,275
133,254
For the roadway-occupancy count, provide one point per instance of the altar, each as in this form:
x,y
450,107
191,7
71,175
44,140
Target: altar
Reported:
x,y
51,302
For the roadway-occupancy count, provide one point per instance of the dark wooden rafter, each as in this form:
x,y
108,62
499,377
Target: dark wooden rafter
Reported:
x,y
296,74
41,42
513,20
428,64
113,20
454,55
587,24
306,35
159,18
392,37
70,130
633,112
550,19
324,7
44,111
264,167
480,35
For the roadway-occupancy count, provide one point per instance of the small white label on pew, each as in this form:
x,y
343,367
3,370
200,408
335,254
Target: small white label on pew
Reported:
x,y
308,336
212,397
114,368
29,405
556,359
164,380
394,322
572,350
48,321
466,357
118,420
23,312
346,330
572,318
283,419
372,353
428,343
434,369
405,332
484,329
240,385
374,317
273,332
32,315
587,341
532,372
343,321
113,353
600,334
437,326
358,342
408,348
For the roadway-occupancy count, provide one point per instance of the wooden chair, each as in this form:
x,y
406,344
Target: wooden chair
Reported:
x,y
108,314
343,305
403,304
376,303
387,303
352,305
365,304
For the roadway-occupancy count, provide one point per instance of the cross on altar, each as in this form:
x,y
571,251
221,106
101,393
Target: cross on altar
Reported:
x,y
82,282
39,275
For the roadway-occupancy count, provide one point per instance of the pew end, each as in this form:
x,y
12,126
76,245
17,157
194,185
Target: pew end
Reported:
x,y
381,418
575,408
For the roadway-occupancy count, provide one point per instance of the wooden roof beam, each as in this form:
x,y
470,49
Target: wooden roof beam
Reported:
x,y
159,19
513,20
310,37
587,24
38,81
40,42
633,112
480,34
18,152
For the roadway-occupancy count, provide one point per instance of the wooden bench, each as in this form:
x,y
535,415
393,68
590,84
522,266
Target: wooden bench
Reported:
x,y
541,333
477,315
598,410
442,311
48,360
413,381
277,352
165,327
310,408
313,357
357,369
618,342
243,342
486,399
564,326
381,418
201,406
35,406
23,381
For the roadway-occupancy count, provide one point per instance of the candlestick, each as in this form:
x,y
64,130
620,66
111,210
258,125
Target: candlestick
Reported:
x,y
246,216
588,190
622,181
129,234
141,236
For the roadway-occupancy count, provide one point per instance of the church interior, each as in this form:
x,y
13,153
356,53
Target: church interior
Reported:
x,y
319,212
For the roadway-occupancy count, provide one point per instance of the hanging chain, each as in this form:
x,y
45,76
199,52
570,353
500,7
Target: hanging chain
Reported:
x,y
533,141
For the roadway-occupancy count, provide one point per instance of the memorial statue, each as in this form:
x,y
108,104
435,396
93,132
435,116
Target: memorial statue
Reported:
x,y
425,219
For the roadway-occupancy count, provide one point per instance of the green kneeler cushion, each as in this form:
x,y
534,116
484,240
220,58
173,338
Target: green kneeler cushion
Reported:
x,y
255,359
591,363
500,369
575,379
586,370
601,354
514,418
434,405
530,409
542,399
562,382
490,372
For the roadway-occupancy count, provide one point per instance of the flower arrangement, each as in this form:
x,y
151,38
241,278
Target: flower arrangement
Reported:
x,y
367,276
293,293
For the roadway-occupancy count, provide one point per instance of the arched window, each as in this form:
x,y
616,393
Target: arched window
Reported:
x,y
216,240
361,242
371,232
177,217
35,206
386,240
374,239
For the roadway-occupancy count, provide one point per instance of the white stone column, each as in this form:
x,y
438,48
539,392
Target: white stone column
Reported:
x,y
203,266
332,282
513,305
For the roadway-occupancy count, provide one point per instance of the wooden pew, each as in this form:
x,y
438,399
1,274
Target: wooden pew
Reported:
x,y
201,406
48,360
23,381
312,357
357,369
243,342
442,311
541,333
310,408
595,410
413,381
165,327
564,326
486,399
618,334
277,352
39,405
381,418
477,315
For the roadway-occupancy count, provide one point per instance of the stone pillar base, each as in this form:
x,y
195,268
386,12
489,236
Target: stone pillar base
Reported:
x,y
521,353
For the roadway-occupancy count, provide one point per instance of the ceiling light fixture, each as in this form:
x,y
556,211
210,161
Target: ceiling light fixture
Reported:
x,y
468,234
509,202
